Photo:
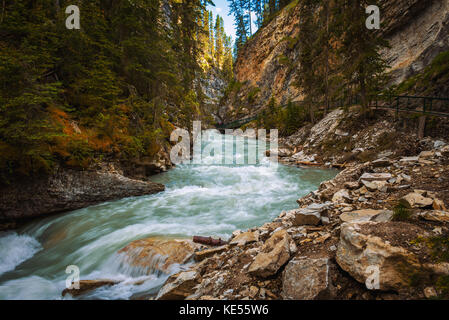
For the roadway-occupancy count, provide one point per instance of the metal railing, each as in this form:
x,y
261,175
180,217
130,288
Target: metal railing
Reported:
x,y
434,106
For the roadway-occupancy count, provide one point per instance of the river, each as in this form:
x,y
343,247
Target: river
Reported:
x,y
208,200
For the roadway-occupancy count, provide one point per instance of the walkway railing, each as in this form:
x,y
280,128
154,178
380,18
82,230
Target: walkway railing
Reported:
x,y
434,106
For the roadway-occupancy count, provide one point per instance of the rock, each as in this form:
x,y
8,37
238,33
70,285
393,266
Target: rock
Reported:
x,y
382,162
341,196
438,144
374,185
426,154
305,217
435,215
341,133
203,254
430,292
359,215
158,254
351,185
416,200
66,190
245,238
273,255
360,255
179,286
409,159
406,177
300,156
307,279
383,216
88,285
253,291
375,176
438,205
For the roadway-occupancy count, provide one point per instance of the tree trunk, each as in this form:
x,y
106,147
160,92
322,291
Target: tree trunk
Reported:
x,y
421,127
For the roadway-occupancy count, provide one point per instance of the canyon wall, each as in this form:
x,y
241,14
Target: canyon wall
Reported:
x,y
416,30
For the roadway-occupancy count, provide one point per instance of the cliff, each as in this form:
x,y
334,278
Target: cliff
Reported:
x,y
416,30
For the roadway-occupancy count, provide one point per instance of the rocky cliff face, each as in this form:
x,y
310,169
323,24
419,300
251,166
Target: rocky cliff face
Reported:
x,y
417,32
67,189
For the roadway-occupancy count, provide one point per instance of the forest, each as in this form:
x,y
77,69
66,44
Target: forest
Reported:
x,y
113,89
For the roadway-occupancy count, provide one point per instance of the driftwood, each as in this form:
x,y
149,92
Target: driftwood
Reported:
x,y
209,241
308,163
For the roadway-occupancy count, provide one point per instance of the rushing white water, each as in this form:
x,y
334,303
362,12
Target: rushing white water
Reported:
x,y
208,200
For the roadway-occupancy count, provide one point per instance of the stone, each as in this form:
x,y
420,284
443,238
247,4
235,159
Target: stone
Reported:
x,y
158,254
178,286
409,159
438,144
273,255
435,215
306,217
374,185
430,292
351,185
359,254
65,190
341,196
376,176
438,205
89,285
245,238
341,133
203,254
359,215
382,162
416,200
307,279
426,154
383,216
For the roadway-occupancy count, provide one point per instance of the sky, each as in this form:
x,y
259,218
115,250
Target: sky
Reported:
x,y
222,8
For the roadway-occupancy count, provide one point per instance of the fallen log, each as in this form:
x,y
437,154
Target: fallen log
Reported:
x,y
308,163
209,241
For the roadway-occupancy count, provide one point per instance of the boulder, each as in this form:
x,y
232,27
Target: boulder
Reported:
x,y
359,215
351,185
305,216
203,254
382,162
88,285
376,176
361,254
307,279
66,190
341,196
375,185
245,238
273,255
435,215
179,286
409,159
158,254
426,154
416,200
438,205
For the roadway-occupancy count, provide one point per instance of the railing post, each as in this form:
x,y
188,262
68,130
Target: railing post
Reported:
x,y
397,107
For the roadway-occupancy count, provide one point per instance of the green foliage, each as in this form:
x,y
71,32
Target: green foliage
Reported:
x,y
118,78
401,212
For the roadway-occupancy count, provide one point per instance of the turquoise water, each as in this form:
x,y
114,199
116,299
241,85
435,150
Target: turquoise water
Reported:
x,y
208,200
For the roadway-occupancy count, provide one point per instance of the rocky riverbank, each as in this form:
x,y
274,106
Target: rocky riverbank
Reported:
x,y
378,230
65,190
387,215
